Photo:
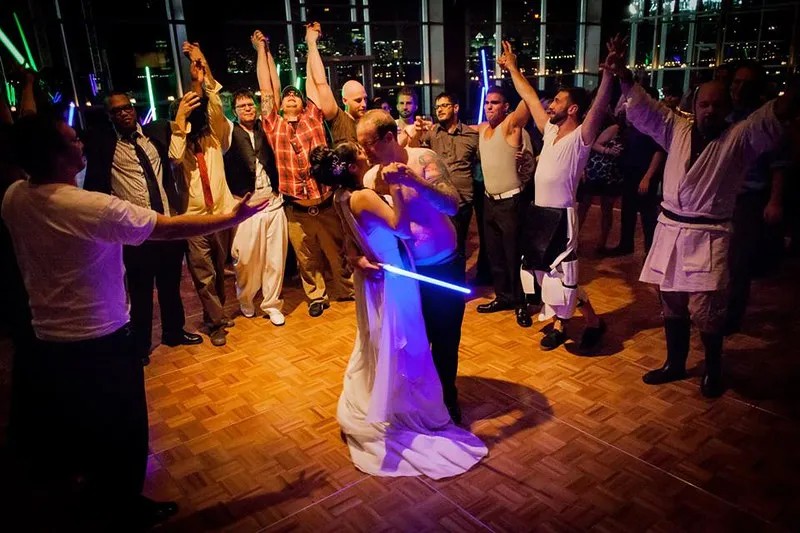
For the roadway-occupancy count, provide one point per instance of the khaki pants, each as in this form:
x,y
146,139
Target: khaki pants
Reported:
x,y
206,261
317,240
706,309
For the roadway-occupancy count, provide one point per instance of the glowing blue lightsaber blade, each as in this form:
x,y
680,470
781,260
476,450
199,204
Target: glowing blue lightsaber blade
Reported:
x,y
484,69
426,279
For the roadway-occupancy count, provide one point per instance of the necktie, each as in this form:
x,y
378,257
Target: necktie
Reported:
x,y
149,175
204,180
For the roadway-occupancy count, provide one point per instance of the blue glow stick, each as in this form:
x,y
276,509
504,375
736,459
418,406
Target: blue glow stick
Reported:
x,y
484,69
480,107
71,118
426,279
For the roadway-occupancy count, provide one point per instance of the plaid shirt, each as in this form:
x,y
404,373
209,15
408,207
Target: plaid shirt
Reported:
x,y
292,146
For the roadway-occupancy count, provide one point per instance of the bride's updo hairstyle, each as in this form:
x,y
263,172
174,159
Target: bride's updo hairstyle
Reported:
x,y
331,166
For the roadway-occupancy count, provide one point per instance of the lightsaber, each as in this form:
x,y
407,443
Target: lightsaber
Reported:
x,y
25,44
425,279
11,48
480,106
150,91
483,67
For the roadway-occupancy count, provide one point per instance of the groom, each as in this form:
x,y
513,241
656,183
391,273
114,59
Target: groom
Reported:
x,y
431,199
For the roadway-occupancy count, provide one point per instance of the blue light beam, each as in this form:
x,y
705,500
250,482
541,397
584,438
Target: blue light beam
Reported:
x,y
425,279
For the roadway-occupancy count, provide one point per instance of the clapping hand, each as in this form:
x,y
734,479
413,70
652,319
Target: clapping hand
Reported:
x,y
313,32
259,40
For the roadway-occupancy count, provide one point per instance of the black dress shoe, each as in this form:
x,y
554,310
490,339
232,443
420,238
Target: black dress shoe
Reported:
x,y
316,308
666,374
523,317
553,340
712,386
181,338
494,306
148,513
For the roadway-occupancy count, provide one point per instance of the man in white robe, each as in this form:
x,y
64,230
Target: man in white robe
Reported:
x,y
704,169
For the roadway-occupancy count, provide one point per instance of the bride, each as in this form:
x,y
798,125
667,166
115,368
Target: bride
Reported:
x,y
391,409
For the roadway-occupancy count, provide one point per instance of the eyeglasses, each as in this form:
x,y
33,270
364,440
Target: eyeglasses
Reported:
x,y
443,106
121,109
245,106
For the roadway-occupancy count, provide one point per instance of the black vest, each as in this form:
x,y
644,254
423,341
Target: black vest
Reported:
x,y
240,161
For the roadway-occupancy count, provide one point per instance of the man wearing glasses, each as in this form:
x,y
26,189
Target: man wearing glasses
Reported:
x,y
132,163
259,246
457,145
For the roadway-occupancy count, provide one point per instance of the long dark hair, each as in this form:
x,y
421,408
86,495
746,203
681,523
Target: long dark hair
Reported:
x,y
331,166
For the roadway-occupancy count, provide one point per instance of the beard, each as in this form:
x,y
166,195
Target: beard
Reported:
x,y
557,118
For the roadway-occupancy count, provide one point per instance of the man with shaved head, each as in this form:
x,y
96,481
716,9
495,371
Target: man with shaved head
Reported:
x,y
704,168
354,96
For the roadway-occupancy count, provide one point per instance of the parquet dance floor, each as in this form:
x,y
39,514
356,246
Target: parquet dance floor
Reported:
x,y
245,438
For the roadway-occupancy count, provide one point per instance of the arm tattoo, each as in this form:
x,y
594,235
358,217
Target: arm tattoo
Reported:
x,y
438,189
269,104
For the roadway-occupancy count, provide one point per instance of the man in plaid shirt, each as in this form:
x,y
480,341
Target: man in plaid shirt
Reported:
x,y
314,228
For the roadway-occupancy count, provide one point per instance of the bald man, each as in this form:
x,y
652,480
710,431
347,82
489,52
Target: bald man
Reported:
x,y
354,96
704,169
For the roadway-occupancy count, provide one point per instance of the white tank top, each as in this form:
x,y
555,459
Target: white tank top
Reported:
x,y
498,161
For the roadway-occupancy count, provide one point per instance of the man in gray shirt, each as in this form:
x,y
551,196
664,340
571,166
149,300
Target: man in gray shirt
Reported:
x,y
457,145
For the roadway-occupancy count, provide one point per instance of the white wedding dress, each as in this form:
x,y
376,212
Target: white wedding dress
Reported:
x,y
391,408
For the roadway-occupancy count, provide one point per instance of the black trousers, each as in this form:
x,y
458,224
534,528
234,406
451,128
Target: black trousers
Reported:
x,y
483,269
162,262
443,312
501,229
461,221
745,251
646,205
84,412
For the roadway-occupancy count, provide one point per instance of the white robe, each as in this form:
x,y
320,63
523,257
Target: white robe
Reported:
x,y
693,257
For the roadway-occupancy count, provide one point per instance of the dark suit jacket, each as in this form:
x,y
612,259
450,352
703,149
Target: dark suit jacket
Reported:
x,y
101,142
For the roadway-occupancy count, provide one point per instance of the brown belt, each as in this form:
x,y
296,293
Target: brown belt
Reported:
x,y
312,210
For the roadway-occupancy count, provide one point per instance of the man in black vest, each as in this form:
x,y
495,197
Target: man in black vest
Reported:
x,y
132,163
259,247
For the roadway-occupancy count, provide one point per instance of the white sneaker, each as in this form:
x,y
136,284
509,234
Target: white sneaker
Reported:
x,y
248,311
275,316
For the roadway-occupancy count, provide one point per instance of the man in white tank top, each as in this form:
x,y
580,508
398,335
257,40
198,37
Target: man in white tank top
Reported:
x,y
551,237
430,199
501,138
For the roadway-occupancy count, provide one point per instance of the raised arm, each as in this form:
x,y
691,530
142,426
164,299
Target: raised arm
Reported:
x,y
647,115
266,82
27,102
195,55
317,87
594,118
177,142
534,107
